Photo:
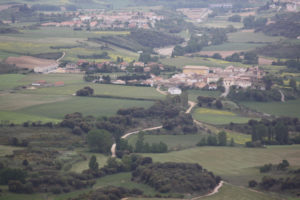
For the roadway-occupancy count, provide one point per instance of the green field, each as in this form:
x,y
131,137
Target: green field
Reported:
x,y
181,61
236,165
288,108
230,192
244,37
83,165
193,94
9,81
100,89
217,117
230,46
85,105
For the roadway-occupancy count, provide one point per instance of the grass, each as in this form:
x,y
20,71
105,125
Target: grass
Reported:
x,y
85,105
181,61
19,118
229,46
234,164
7,150
217,117
100,89
123,180
10,81
288,108
244,37
83,165
193,94
231,192
174,142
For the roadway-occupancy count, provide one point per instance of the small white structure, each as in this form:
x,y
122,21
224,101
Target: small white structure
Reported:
x,y
174,91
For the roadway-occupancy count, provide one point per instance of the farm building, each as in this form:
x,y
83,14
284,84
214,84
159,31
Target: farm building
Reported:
x,y
174,91
200,70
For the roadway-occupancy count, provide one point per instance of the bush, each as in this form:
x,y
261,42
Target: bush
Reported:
x,y
252,183
265,168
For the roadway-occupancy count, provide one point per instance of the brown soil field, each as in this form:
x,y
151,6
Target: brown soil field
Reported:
x,y
29,62
265,61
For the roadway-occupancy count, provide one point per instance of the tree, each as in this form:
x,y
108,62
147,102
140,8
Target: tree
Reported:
x,y
219,104
249,22
260,22
232,143
250,58
86,91
139,145
281,133
93,164
222,136
99,141
217,56
235,18
212,140
293,84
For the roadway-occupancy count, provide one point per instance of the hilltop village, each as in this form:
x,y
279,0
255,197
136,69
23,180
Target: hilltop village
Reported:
x,y
104,20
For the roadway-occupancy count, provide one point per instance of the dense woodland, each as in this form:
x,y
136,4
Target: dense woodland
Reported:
x,y
177,177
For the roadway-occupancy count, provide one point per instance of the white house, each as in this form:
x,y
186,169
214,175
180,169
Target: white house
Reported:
x,y
174,91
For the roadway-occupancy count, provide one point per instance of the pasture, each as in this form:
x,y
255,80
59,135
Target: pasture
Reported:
x,y
193,94
236,165
181,61
218,117
97,107
288,108
10,81
246,37
231,192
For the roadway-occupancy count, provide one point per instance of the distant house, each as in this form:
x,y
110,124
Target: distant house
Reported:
x,y
59,83
139,64
212,86
39,83
174,91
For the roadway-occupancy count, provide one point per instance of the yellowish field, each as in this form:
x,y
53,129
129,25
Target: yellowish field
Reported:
x,y
214,112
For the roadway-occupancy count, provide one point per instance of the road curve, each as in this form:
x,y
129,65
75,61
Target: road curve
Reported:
x,y
216,190
113,147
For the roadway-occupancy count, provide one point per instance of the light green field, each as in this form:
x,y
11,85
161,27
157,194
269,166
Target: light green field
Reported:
x,y
288,108
181,61
239,138
230,192
193,94
174,142
123,180
85,105
9,81
83,165
244,37
100,89
237,46
236,165
213,116
19,118
8,150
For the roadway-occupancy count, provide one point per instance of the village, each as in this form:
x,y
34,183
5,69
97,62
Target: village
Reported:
x,y
104,20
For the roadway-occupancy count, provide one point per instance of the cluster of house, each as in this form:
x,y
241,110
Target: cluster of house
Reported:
x,y
290,5
207,77
111,20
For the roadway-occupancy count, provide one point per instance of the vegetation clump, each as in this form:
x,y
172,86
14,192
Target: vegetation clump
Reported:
x,y
176,177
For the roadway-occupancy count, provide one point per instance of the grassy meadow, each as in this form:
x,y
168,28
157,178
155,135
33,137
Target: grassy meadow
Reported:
x,y
193,94
218,117
53,103
288,108
236,165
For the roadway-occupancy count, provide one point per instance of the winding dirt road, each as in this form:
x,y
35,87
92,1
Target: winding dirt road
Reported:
x,y
113,147
216,190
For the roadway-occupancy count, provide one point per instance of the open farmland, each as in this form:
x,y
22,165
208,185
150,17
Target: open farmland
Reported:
x,y
288,108
85,105
193,94
29,62
213,116
236,165
9,81
229,191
